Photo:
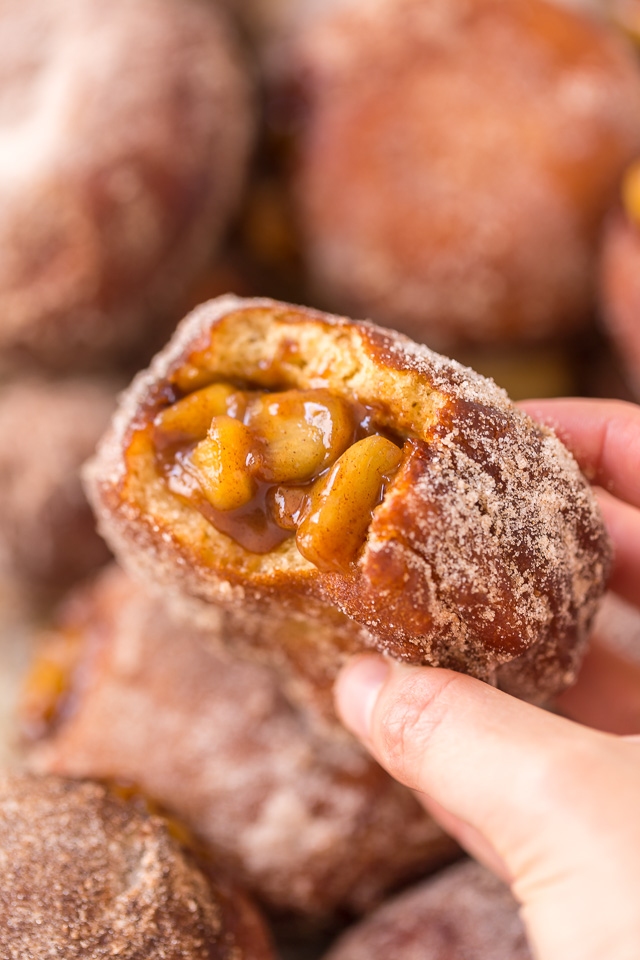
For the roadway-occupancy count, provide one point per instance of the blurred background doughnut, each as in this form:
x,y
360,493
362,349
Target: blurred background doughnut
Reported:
x,y
462,914
452,162
87,873
125,130
48,536
301,815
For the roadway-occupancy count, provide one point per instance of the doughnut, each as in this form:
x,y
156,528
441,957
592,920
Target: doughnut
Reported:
x,y
620,277
302,816
274,458
127,129
452,162
88,874
460,914
48,428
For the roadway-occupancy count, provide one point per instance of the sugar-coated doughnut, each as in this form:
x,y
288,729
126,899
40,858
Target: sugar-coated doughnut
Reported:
x,y
276,457
125,131
87,874
454,161
48,428
464,913
302,816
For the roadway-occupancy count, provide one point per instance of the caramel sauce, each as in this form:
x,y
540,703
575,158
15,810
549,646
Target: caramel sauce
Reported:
x,y
297,436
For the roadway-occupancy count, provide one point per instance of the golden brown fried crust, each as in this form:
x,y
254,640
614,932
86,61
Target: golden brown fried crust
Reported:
x,y
454,161
465,912
48,429
302,816
87,874
620,291
134,124
487,547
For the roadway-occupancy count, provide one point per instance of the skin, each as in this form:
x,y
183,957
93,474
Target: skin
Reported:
x,y
547,802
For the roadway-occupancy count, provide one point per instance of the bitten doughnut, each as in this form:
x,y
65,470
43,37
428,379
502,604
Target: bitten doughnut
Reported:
x,y
620,277
48,428
125,131
462,914
302,816
453,161
277,457
87,874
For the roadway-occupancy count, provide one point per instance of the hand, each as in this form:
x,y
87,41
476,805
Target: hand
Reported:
x,y
550,805
604,436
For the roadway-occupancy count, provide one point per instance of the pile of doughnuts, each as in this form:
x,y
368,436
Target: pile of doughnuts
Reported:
x,y
283,487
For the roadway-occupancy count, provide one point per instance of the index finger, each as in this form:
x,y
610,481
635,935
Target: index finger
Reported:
x,y
604,437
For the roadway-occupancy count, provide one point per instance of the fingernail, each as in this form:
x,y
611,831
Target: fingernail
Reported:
x,y
357,690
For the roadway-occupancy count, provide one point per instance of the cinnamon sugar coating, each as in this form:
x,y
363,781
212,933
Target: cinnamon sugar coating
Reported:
x,y
127,129
460,914
620,292
48,428
487,554
300,814
86,874
453,161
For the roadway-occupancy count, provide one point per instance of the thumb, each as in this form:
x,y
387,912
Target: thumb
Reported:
x,y
508,772
555,803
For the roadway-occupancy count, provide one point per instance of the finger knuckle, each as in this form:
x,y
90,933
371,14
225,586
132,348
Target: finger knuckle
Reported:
x,y
410,721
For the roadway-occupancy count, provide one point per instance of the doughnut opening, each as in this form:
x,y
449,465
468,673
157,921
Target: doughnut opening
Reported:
x,y
262,466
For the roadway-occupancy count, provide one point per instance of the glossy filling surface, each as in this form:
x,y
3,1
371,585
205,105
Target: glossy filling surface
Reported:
x,y
263,466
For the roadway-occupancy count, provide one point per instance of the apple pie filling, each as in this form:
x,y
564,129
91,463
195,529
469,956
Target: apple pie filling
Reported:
x,y
264,466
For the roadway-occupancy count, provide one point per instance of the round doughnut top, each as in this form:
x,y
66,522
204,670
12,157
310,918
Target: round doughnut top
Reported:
x,y
460,914
86,874
455,159
124,132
